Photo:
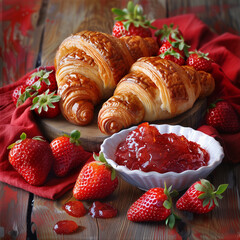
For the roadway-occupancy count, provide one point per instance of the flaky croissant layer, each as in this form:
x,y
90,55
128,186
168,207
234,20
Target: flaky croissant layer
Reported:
x,y
88,67
155,89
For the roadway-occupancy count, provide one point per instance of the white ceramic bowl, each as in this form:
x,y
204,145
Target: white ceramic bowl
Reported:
x,y
179,181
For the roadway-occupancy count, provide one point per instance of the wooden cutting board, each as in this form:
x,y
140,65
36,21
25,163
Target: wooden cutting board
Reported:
x,y
92,138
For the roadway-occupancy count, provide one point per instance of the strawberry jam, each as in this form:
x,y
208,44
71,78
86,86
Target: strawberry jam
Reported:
x,y
65,227
148,150
75,208
102,210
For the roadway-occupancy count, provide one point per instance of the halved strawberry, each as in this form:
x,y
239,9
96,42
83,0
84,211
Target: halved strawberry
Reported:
x,y
130,21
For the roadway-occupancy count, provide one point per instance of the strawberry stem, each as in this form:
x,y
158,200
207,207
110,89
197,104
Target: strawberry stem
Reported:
x,y
132,14
209,195
23,136
101,160
75,137
168,204
45,101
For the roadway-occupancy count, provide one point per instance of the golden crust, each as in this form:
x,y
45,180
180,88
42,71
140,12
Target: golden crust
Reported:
x,y
163,88
99,59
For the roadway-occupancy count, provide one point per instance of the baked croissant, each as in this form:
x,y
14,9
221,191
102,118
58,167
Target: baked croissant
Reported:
x,y
154,89
88,67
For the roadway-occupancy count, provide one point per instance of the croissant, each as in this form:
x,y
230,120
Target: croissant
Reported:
x,y
88,67
154,89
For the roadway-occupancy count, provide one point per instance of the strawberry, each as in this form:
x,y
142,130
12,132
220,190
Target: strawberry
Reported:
x,y
201,197
131,22
222,116
32,158
43,79
96,180
46,105
68,153
167,51
154,205
168,33
21,94
199,60
17,92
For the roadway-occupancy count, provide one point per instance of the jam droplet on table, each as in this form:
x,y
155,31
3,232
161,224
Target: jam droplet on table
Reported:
x,y
146,149
102,210
65,227
75,208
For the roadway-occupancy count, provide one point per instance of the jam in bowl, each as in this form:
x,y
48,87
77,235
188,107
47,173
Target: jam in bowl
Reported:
x,y
148,156
146,149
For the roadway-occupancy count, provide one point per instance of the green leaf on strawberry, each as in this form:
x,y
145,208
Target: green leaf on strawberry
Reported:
x,y
23,136
43,76
201,197
101,160
132,14
44,102
168,204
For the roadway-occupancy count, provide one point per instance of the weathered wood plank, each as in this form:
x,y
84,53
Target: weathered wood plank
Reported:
x,y
13,212
222,16
64,18
47,213
121,228
68,17
221,222
21,28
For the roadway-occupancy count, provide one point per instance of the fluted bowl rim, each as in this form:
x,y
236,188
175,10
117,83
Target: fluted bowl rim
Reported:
x,y
179,181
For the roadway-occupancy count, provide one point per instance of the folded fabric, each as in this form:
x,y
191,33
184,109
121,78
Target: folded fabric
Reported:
x,y
14,121
223,49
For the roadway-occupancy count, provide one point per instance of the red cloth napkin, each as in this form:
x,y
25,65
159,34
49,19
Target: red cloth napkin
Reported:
x,y
224,49
13,122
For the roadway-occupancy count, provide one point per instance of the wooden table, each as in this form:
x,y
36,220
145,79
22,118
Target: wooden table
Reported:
x,y
32,31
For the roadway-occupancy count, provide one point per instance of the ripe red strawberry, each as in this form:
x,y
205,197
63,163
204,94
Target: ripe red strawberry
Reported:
x,y
43,79
131,22
201,197
154,205
167,51
17,92
168,33
46,105
96,180
21,94
32,158
68,153
200,61
222,116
